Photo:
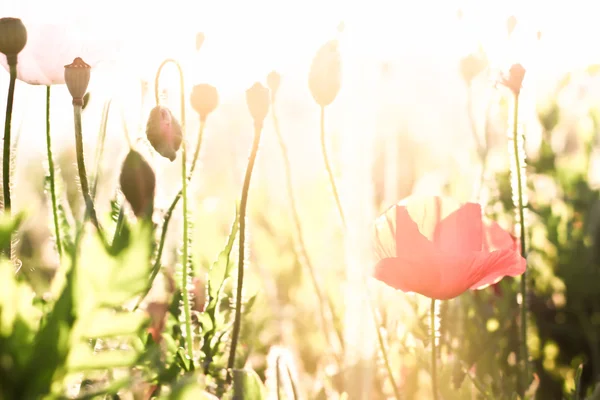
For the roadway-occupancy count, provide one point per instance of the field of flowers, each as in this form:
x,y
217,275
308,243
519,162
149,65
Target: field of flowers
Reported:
x,y
183,245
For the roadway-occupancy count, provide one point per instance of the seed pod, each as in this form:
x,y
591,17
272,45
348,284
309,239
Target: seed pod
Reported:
x,y
204,99
273,82
164,132
257,99
13,38
138,184
77,78
324,80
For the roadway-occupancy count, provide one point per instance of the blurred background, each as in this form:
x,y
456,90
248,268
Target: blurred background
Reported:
x,y
407,101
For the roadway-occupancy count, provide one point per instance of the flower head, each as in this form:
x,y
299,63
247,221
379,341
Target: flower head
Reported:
x,y
257,99
13,38
77,78
273,82
324,79
514,81
164,132
138,184
440,249
204,99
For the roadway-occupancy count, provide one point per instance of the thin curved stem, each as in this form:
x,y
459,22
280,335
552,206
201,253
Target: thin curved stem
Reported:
x,y
6,153
517,154
329,170
51,174
169,214
85,189
322,299
240,282
434,386
184,181
100,146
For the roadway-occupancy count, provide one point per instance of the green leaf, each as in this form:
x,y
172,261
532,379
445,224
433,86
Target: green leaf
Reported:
x,y
190,389
221,269
8,225
247,385
104,323
82,357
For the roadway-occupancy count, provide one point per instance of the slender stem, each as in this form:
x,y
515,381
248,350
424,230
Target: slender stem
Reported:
x,y
434,386
6,153
85,189
518,151
240,282
100,148
300,236
329,170
168,215
51,174
119,225
383,348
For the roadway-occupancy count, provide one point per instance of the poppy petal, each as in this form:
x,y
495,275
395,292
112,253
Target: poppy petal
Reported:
x,y
461,231
491,267
410,242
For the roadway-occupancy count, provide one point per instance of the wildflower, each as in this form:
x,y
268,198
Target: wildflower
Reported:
x,y
204,99
138,184
13,38
324,80
514,81
447,252
471,66
257,99
77,78
273,82
164,132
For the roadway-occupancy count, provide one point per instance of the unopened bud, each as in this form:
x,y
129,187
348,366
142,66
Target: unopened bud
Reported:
x,y
273,82
324,80
164,132
257,98
511,24
77,78
199,40
13,38
204,99
138,184
471,66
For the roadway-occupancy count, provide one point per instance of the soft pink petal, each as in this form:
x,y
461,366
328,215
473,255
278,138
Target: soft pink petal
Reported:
x,y
461,231
498,238
492,267
410,242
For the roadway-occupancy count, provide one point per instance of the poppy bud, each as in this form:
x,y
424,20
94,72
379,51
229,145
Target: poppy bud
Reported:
x,y
13,38
470,67
324,80
273,81
138,184
549,117
204,99
199,40
257,98
515,78
511,24
77,78
164,132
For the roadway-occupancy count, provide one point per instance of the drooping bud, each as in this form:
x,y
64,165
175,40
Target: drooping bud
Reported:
x,y
204,99
138,184
13,38
199,40
164,132
257,99
511,24
471,66
273,82
324,79
514,81
77,78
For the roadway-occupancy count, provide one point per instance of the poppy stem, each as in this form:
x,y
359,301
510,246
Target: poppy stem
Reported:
x,y
51,176
434,386
323,299
329,170
6,160
167,218
100,146
519,156
242,238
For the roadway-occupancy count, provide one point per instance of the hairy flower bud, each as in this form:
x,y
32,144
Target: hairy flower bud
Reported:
x,y
257,98
273,82
324,80
13,38
138,184
164,132
204,99
77,78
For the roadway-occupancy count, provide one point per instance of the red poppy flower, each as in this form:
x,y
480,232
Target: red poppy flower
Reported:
x,y
440,249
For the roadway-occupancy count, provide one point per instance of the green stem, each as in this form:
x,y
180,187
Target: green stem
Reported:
x,y
6,153
184,181
119,226
517,151
329,170
383,349
51,174
434,386
100,148
300,236
168,215
237,324
85,189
